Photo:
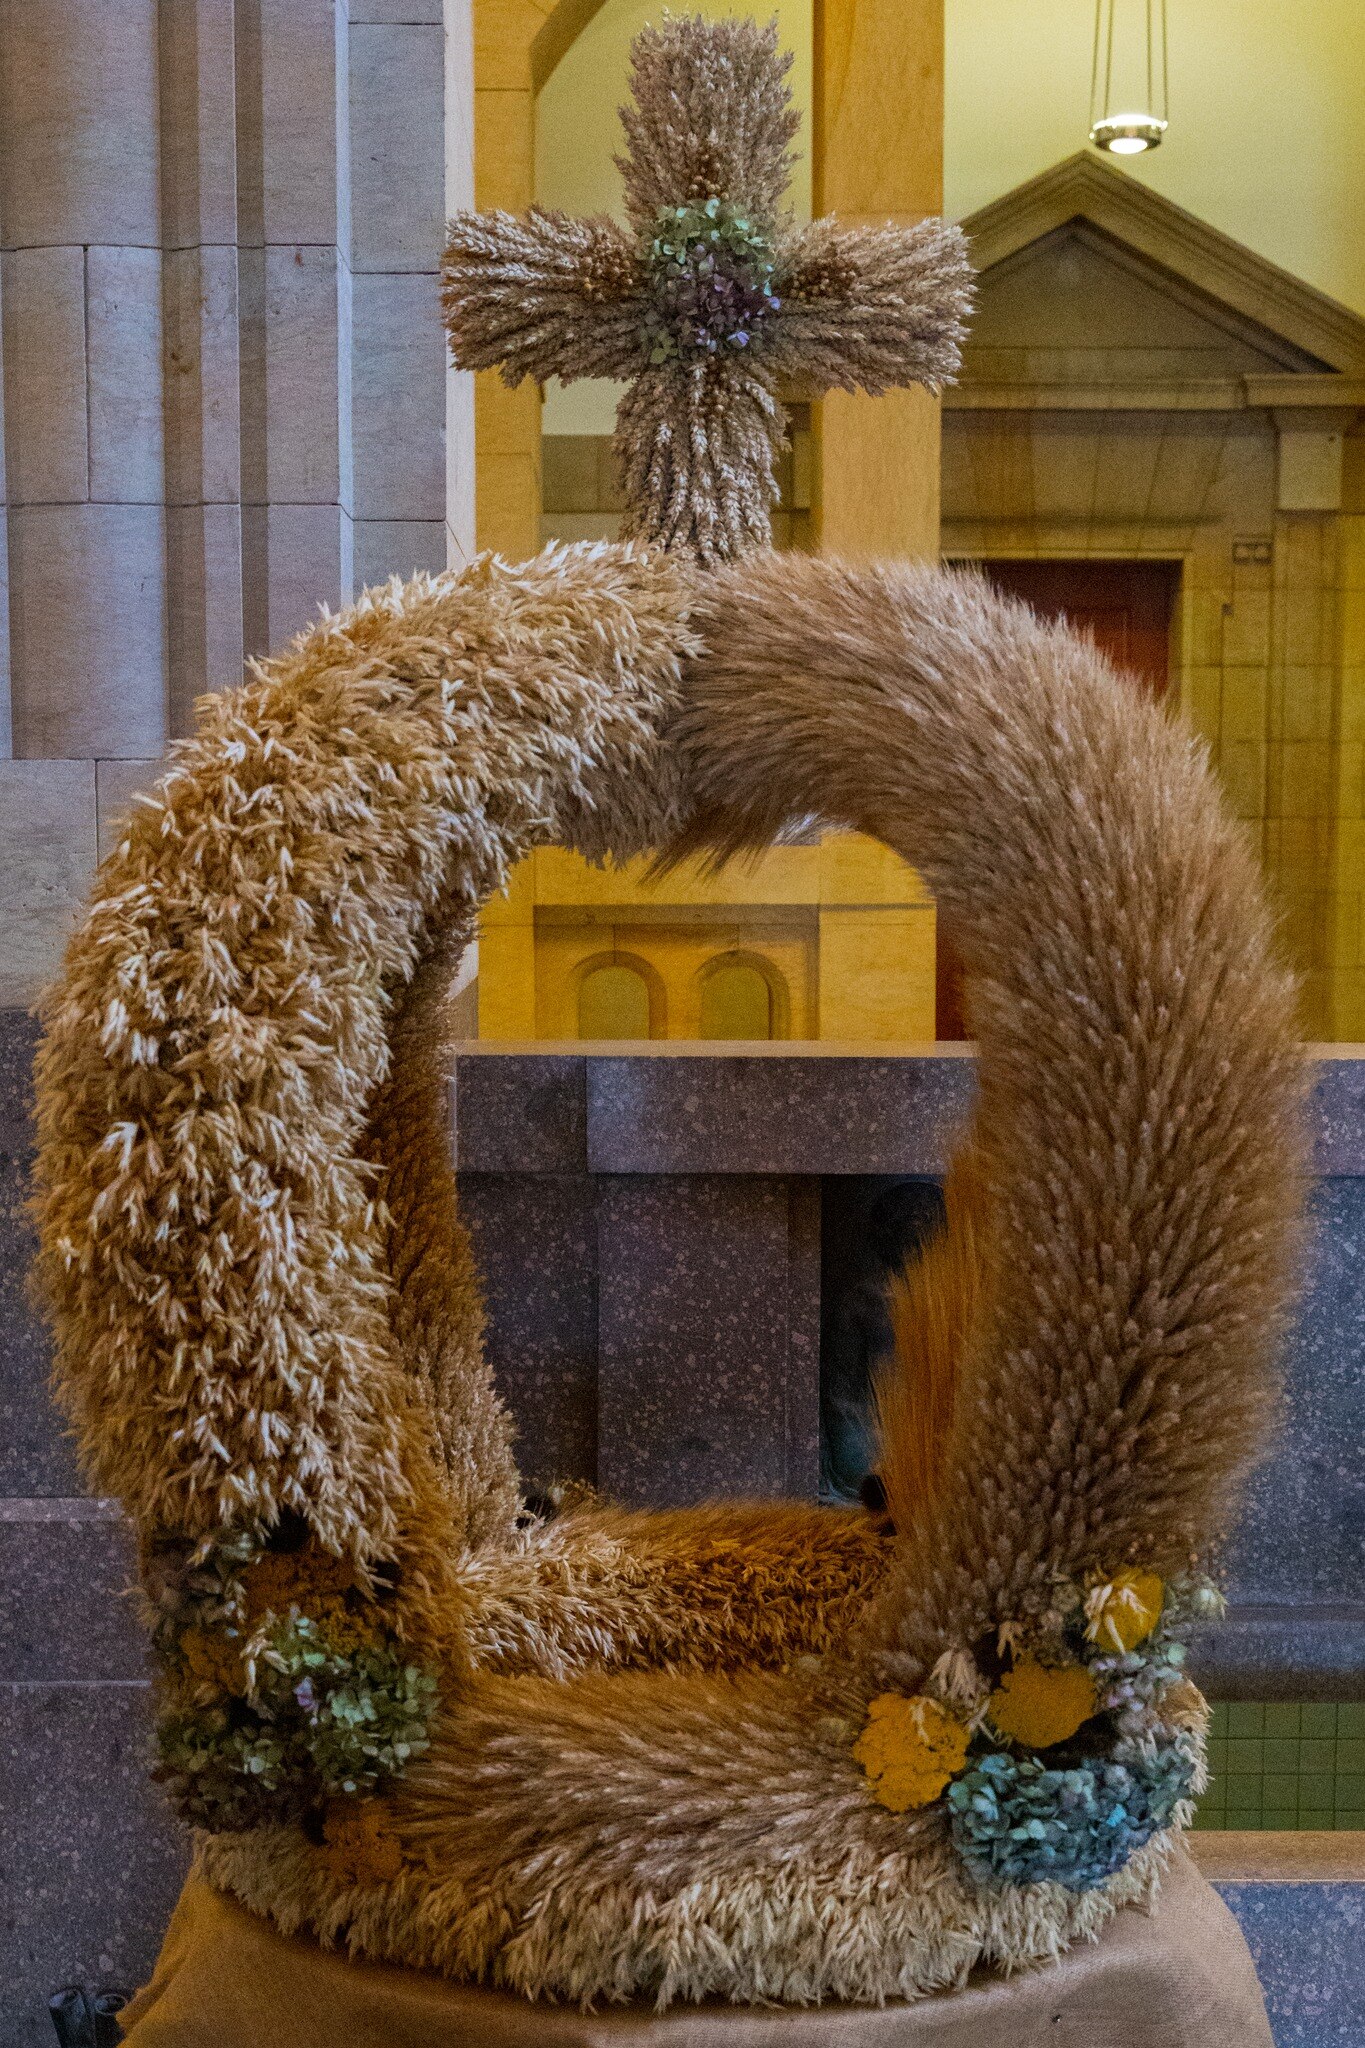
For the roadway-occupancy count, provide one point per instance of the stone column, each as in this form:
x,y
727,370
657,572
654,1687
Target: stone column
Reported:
x,y
223,380
223,400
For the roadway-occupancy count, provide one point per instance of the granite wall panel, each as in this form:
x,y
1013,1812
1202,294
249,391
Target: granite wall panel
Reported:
x,y
36,1457
93,1860
1306,1942
1301,1534
68,1610
775,1113
535,1237
695,1339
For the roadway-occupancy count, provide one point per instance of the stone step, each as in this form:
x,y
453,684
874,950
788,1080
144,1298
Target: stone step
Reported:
x,y
1300,1900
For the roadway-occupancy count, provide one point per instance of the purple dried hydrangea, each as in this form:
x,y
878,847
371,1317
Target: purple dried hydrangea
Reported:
x,y
711,273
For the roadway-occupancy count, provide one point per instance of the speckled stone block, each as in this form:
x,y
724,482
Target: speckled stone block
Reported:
x,y
519,1113
535,1237
1295,1563
1302,1529
775,1113
67,1569
696,1324
93,1860
1308,1943
36,1456
680,1121
1338,1112
1293,1650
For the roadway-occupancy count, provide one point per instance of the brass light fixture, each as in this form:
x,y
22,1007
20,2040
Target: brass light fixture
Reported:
x,y
1138,126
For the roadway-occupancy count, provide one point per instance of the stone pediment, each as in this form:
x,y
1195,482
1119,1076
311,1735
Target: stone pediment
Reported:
x,y
1095,290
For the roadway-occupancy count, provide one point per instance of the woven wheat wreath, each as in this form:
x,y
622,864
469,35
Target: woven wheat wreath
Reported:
x,y
765,1751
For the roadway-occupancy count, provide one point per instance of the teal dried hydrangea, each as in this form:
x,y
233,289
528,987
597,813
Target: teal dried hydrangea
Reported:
x,y
1017,1820
711,280
320,1721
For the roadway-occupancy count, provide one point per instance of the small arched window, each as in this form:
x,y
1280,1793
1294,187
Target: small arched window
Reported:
x,y
736,1002
613,1002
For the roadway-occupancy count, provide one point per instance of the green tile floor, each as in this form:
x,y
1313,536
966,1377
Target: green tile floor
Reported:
x,y
1279,1766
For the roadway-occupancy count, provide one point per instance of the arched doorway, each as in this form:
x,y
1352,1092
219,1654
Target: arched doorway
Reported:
x,y
620,997
739,999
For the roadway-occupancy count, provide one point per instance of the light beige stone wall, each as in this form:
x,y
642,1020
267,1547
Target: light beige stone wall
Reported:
x,y
1266,661
223,379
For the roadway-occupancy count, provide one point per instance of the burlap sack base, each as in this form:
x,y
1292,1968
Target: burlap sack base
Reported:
x,y
1181,1977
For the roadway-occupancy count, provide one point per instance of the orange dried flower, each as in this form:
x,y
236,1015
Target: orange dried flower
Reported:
x,y
212,1658
279,1580
910,1749
1039,1704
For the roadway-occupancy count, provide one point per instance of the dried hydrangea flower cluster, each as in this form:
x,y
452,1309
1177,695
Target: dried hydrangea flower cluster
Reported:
x,y
1081,1744
674,304
711,272
283,1697
1018,1821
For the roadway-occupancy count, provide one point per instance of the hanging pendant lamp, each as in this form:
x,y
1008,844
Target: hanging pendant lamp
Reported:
x,y
1129,117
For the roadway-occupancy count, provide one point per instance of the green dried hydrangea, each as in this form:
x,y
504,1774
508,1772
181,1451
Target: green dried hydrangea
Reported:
x,y
711,279
319,1722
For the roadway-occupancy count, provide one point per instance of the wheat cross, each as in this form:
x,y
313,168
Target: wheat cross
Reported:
x,y
712,302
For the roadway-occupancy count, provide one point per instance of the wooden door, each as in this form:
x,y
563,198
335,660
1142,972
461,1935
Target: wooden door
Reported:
x,y
1127,609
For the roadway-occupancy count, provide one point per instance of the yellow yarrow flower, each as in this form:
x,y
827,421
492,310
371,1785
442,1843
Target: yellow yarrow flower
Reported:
x,y
910,1749
1039,1704
1122,1612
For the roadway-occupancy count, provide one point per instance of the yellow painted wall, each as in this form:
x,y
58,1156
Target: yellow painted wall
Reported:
x,y
846,929
578,133
1267,135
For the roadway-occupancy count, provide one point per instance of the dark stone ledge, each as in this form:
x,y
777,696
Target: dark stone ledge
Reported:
x,y
1283,1653
789,1108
